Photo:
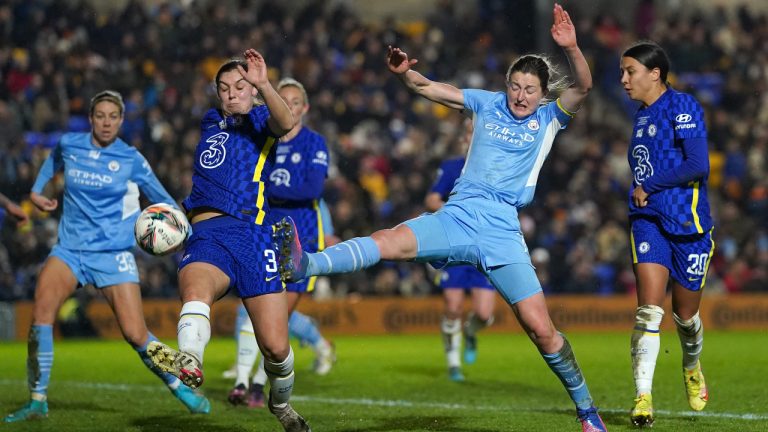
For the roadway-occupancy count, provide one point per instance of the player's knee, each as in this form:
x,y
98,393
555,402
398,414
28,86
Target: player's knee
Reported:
x,y
45,310
690,323
649,315
276,353
396,243
546,337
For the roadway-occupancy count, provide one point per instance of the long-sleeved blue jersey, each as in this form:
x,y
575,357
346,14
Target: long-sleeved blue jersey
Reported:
x,y
669,137
101,191
296,185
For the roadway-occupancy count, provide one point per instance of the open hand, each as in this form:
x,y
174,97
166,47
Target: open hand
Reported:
x,y
563,31
398,62
257,68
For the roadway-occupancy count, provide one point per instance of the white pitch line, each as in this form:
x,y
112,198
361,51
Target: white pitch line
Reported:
x,y
399,403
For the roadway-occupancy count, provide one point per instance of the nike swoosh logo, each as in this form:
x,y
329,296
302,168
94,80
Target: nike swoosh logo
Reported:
x,y
268,279
693,279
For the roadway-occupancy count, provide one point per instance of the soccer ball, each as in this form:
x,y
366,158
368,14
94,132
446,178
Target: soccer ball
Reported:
x,y
161,229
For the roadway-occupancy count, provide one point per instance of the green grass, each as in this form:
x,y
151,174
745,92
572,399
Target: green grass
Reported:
x,y
399,383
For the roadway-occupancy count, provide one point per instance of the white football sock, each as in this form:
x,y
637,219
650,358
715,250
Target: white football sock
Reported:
x,y
645,346
691,333
260,377
247,351
280,380
194,329
475,324
451,330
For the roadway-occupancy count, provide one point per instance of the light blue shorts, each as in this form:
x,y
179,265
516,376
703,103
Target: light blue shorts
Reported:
x,y
484,234
102,269
475,231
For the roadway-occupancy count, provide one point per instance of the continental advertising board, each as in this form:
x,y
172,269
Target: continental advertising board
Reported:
x,y
422,315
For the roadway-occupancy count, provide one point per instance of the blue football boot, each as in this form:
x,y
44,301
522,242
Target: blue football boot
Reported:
x,y
34,409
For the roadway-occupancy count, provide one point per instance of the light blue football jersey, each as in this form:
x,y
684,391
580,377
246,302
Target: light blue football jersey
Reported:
x,y
479,223
506,154
101,191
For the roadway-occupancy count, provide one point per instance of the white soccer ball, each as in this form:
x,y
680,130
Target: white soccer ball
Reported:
x,y
161,229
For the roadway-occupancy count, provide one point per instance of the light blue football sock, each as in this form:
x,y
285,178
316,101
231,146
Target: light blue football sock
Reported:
x,y
303,328
348,256
563,364
39,359
169,380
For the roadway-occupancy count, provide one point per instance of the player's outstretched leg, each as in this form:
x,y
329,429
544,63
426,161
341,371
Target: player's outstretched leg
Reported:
x,y
39,364
590,420
293,260
563,364
180,364
348,256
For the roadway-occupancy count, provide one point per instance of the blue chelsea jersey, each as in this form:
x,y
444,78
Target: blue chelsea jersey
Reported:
x,y
506,153
101,191
656,145
300,169
233,158
449,171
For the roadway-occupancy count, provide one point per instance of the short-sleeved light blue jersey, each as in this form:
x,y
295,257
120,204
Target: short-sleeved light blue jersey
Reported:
x,y
101,191
506,154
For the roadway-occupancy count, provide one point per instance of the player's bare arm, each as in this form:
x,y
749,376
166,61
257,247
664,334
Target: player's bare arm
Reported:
x,y
280,117
444,94
564,35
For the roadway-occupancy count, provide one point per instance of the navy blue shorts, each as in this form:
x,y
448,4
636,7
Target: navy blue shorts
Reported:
x,y
686,257
243,250
464,277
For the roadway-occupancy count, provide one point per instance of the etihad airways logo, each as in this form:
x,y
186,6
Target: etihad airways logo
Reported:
x,y
508,135
89,178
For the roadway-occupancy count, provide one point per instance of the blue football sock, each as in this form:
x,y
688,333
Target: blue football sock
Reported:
x,y
348,256
39,358
303,328
563,364
167,378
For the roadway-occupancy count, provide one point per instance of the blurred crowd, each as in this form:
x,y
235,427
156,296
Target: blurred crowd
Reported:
x,y
385,142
